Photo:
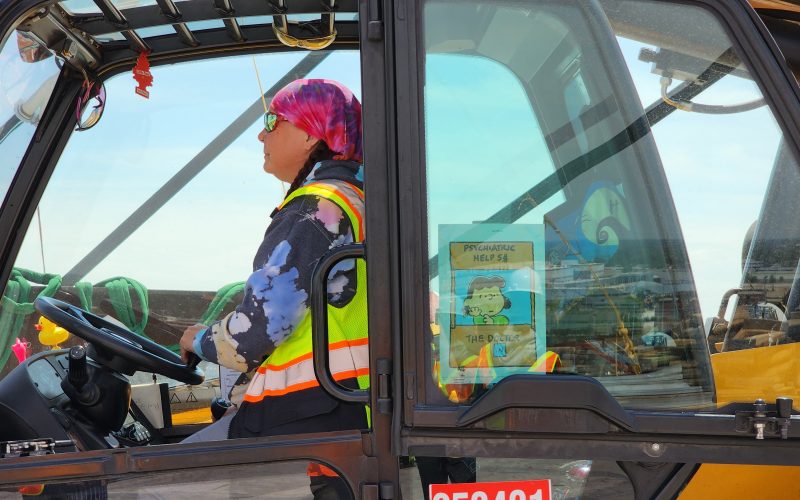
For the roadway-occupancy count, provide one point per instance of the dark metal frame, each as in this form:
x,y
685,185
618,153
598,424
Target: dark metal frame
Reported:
x,y
377,79
167,12
347,452
669,447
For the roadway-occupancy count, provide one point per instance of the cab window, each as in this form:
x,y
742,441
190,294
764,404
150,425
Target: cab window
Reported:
x,y
152,218
595,171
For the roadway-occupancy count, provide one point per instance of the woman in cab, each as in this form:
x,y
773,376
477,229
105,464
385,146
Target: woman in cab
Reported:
x,y
311,139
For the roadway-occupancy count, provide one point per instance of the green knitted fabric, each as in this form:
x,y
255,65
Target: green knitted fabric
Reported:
x,y
16,305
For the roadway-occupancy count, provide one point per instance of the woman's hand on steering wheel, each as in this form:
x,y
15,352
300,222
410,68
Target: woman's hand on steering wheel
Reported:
x,y
187,340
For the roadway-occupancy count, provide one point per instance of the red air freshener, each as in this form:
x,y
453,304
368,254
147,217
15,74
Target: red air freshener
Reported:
x,y
142,75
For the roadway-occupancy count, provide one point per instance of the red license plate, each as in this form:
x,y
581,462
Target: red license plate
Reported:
x,y
504,490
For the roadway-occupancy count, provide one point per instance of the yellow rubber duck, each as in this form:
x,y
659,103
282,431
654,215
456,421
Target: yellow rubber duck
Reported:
x,y
51,334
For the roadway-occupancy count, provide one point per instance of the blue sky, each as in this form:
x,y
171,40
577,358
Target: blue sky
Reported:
x,y
206,235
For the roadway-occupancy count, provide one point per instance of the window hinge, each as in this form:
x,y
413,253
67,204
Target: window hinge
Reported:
x,y
762,422
386,490
384,370
382,491
375,21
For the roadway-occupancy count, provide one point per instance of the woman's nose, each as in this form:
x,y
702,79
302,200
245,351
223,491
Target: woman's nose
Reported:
x,y
262,135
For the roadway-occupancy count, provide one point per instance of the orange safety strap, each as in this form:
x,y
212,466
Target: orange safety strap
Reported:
x,y
31,490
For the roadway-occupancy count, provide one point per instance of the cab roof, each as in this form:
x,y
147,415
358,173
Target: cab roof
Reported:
x,y
95,34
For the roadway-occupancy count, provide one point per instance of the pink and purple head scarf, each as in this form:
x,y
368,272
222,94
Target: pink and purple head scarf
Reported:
x,y
324,109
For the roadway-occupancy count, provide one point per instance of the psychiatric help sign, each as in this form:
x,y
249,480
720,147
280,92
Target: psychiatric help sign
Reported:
x,y
504,490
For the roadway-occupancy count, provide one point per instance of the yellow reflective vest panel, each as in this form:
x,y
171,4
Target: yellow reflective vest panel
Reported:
x,y
290,368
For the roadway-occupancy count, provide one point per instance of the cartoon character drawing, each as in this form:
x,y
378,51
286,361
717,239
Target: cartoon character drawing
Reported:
x,y
485,300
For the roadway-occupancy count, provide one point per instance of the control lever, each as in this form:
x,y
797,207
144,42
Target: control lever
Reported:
x,y
218,408
77,367
78,377
763,422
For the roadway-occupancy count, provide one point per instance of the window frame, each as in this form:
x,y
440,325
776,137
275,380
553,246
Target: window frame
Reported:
x,y
692,436
364,459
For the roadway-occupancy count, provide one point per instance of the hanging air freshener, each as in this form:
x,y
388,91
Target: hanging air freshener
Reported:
x,y
142,75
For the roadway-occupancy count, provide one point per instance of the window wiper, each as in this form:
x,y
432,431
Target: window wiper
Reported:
x,y
188,172
640,127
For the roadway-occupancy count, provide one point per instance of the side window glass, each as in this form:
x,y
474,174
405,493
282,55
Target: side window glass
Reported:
x,y
731,177
592,191
462,190
152,219
29,75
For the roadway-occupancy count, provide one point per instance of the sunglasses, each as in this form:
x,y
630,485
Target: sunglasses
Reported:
x,y
270,121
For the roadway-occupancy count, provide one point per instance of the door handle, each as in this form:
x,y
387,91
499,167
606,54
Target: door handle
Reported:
x,y
319,323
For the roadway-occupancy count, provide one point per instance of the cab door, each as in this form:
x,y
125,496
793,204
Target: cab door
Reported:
x,y
108,201
578,179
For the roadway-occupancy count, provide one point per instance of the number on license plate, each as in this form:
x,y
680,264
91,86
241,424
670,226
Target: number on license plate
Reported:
x,y
505,490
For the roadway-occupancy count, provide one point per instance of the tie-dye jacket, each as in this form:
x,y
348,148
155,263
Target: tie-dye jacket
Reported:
x,y
276,295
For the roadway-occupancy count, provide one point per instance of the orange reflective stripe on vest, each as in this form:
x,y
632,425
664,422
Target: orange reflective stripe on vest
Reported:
x,y
348,359
332,193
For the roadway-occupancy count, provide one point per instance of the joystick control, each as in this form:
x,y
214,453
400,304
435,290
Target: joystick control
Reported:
x,y
77,367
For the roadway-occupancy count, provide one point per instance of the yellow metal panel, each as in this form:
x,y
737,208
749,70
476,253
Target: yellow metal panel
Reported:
x,y
763,372
198,416
744,376
743,481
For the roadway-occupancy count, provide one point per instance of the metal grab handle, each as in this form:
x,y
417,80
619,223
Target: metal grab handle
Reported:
x,y
319,323
314,43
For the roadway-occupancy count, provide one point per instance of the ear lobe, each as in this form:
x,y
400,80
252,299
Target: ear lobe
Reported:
x,y
311,143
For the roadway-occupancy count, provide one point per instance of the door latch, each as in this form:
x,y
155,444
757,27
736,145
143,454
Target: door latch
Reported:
x,y
384,369
766,423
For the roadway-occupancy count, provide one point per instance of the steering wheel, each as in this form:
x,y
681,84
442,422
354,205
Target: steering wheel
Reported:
x,y
116,347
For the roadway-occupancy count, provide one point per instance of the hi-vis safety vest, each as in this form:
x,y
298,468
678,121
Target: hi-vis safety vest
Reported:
x,y
290,367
